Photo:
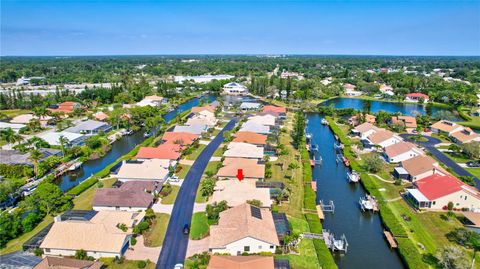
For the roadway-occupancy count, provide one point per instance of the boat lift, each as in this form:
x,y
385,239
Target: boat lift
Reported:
x,y
368,203
330,207
334,244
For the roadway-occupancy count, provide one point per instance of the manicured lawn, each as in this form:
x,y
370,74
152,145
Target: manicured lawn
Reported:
x,y
14,112
85,199
196,152
457,157
199,198
183,172
212,167
199,227
170,199
156,234
218,152
306,257
110,264
16,244
474,171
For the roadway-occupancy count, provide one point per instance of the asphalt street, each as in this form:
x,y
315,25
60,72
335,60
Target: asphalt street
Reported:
x,y
175,244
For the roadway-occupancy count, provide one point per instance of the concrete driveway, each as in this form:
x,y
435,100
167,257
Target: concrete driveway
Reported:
x,y
197,246
175,244
141,252
430,147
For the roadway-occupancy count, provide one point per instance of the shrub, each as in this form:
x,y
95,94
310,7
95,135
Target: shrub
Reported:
x,y
83,186
141,264
141,227
133,241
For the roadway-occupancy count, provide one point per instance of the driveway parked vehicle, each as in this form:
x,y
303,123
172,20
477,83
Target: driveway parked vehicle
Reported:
x,y
473,164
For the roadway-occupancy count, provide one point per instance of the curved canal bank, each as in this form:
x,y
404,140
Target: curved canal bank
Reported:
x,y
121,147
364,232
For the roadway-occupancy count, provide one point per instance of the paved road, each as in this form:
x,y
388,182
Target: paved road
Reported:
x,y
430,146
175,243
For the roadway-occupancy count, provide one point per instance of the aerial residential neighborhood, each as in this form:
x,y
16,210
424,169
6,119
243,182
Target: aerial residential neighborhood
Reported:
x,y
239,134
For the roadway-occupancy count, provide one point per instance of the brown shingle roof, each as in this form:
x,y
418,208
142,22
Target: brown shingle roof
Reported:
x,y
198,109
180,138
241,262
445,126
364,127
122,197
380,136
465,136
237,223
419,165
67,263
250,137
399,148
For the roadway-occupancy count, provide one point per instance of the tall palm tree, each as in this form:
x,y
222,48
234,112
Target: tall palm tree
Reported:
x,y
63,141
10,136
35,157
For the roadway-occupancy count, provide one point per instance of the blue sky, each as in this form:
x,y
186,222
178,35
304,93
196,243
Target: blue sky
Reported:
x,y
240,27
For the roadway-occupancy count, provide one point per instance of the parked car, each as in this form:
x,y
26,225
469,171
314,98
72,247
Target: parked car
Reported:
x,y
147,134
473,163
186,229
173,178
178,266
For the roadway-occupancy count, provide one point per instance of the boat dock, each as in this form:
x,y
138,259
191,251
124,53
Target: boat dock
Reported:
x,y
313,184
368,203
390,239
320,214
333,244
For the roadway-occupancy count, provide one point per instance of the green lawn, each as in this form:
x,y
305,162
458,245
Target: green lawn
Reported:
x,y
199,198
16,244
85,199
199,227
183,171
155,235
306,257
170,199
218,152
212,167
14,112
457,157
474,171
194,155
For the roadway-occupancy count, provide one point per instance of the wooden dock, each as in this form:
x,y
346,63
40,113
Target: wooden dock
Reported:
x,y
313,183
390,239
320,212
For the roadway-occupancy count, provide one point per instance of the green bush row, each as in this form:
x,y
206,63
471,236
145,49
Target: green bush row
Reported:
x,y
83,186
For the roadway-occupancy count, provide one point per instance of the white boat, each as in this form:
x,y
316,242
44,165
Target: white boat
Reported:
x,y
75,166
324,122
128,131
147,134
366,204
353,177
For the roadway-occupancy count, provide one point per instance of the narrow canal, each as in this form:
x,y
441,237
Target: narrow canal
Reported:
x,y
120,148
367,247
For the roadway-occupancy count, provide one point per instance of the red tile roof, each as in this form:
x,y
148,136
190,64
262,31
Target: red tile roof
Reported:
x,y
164,151
180,138
250,137
418,95
277,109
437,186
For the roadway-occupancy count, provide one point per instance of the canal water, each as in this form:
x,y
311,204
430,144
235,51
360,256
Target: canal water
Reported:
x,y
410,109
367,247
120,148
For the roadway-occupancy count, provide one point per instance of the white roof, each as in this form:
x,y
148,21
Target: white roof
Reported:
x,y
249,105
193,129
418,195
14,126
268,120
53,138
254,127
243,150
401,170
25,118
151,169
88,125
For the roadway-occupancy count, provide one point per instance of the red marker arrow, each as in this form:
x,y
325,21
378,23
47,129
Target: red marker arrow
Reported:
x,y
240,174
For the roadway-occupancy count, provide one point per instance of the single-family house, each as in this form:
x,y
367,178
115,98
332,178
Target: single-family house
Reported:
x,y
204,117
251,169
65,107
255,128
147,170
251,138
15,157
357,119
54,138
409,122
241,262
350,90
99,235
100,115
275,109
166,151
382,138
401,151
365,129
67,263
416,97
420,167
26,118
151,100
268,120
196,129
197,109
466,135
250,106
180,138
130,196
446,127
244,229
234,88
14,126
89,127
243,150
237,192
386,89
437,191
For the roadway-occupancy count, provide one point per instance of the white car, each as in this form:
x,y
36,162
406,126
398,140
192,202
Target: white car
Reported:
x,y
178,266
173,179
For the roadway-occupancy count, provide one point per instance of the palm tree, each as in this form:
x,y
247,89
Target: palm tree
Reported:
x,y
63,141
35,157
10,136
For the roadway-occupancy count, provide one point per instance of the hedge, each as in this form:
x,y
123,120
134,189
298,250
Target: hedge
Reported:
x,y
83,186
